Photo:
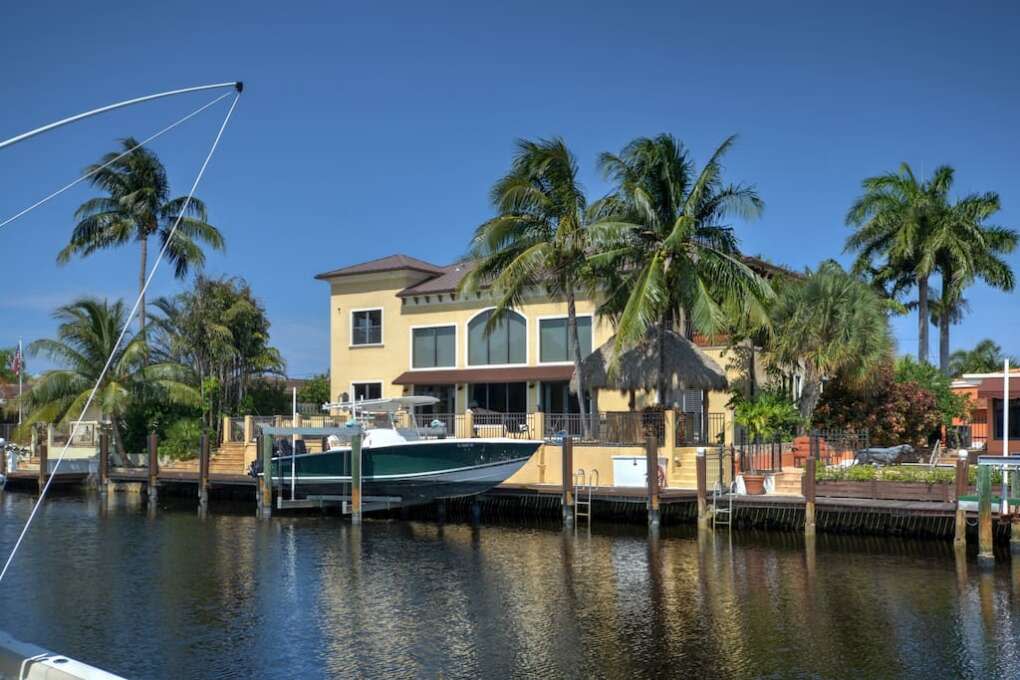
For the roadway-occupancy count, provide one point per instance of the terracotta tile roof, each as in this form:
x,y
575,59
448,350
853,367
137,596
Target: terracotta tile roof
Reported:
x,y
384,264
484,375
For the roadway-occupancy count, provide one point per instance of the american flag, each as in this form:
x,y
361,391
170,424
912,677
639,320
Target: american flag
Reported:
x,y
16,361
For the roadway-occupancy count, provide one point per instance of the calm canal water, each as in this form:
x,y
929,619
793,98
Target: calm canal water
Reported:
x,y
175,596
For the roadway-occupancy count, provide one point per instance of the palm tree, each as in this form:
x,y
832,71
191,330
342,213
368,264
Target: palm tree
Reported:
x,y
895,219
137,206
86,337
829,324
967,250
538,240
986,357
662,246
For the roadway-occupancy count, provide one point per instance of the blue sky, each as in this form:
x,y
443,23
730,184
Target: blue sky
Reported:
x,y
373,128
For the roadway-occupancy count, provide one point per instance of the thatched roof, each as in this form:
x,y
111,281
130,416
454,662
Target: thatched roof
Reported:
x,y
687,367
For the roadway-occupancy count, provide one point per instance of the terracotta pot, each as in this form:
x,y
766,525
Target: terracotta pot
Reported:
x,y
754,483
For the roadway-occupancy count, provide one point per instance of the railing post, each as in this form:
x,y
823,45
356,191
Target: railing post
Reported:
x,y
960,538
567,447
652,475
104,461
986,554
226,429
808,482
249,429
203,472
701,472
44,463
469,423
153,467
538,418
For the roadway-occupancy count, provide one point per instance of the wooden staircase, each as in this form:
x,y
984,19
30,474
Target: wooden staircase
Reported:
x,y
788,482
229,459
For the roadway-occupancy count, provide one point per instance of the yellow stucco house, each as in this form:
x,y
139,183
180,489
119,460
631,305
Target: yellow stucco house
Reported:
x,y
398,326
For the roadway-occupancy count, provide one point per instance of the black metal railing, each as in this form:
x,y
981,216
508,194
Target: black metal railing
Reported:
x,y
489,424
837,447
759,454
691,430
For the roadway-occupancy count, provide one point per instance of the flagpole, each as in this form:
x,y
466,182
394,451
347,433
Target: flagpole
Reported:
x,y
20,362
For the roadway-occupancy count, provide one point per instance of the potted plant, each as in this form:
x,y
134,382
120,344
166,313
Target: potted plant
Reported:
x,y
763,416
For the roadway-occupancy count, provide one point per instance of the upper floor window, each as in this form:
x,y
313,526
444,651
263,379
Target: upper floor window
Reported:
x,y
506,344
366,327
554,339
434,347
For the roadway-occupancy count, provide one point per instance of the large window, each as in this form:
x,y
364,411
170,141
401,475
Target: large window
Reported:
x,y
506,344
499,397
554,339
366,327
434,347
557,398
446,395
1014,418
367,390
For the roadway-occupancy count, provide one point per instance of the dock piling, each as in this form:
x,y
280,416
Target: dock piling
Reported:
x,y
986,554
568,480
203,472
104,462
960,538
153,481
652,473
809,496
356,479
265,481
44,464
701,472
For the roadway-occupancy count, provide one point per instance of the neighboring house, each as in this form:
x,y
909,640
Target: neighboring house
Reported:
x,y
398,326
985,429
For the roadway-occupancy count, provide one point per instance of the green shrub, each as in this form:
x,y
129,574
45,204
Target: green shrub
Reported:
x,y
893,473
182,439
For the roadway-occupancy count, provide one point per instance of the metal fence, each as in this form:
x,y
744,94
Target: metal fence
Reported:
x,y
837,447
691,431
759,455
520,425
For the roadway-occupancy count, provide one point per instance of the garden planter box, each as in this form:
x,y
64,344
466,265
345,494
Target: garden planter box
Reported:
x,y
885,490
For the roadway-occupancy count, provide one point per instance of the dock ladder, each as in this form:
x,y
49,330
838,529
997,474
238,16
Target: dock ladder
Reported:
x,y
722,504
583,485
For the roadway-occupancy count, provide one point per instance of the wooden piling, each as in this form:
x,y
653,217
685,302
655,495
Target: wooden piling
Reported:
x,y
701,472
356,479
203,471
44,464
986,554
808,482
153,467
265,497
103,476
568,480
960,537
652,474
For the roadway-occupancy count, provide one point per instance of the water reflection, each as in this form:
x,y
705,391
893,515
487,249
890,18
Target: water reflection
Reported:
x,y
178,595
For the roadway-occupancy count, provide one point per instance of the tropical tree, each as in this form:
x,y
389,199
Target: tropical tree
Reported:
x,y
220,331
315,390
136,206
830,323
537,241
966,249
895,220
986,357
86,336
6,364
662,249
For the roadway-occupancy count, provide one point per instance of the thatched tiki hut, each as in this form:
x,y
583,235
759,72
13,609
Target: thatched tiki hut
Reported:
x,y
682,365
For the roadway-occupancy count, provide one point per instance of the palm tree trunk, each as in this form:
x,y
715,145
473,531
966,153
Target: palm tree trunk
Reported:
x,y
811,393
661,351
575,345
944,341
922,319
141,283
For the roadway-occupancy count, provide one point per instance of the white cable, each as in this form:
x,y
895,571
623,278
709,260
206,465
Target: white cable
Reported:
x,y
112,161
120,338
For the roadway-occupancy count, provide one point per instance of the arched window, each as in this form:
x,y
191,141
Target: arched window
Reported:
x,y
506,344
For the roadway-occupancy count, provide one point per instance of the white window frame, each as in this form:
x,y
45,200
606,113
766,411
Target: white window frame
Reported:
x,y
366,382
467,341
554,317
410,346
382,327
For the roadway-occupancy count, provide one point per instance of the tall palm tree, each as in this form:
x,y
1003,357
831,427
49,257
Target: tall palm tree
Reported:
x,y
829,324
965,250
135,207
895,220
663,248
986,357
538,239
86,335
